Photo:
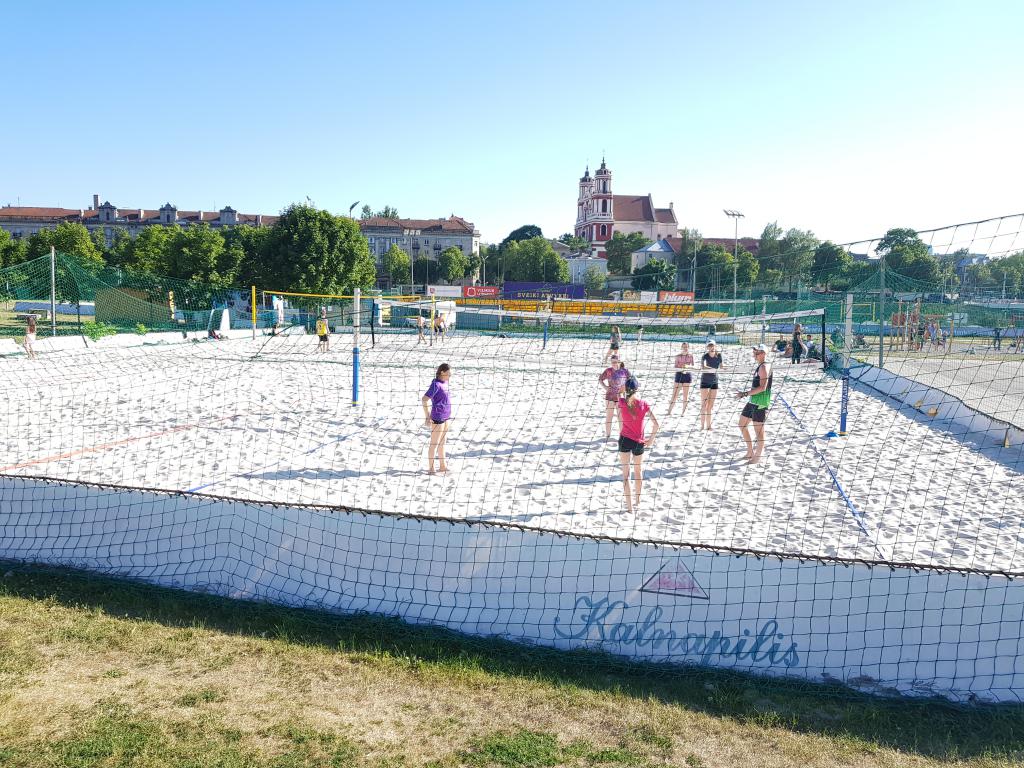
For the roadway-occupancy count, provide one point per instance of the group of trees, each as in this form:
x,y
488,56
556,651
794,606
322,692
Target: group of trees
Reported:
x,y
524,256
307,249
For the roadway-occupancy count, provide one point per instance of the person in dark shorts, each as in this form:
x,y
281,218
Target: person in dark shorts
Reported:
x,y
323,332
437,410
613,379
709,364
632,413
756,409
614,342
798,343
683,377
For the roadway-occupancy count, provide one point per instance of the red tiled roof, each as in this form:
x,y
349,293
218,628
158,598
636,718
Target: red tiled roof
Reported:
x,y
665,215
675,243
633,208
454,224
125,215
24,212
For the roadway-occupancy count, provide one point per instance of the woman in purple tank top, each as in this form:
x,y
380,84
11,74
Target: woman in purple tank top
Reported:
x,y
437,410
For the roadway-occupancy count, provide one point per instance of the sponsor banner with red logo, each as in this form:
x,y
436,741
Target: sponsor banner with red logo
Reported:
x,y
480,292
676,297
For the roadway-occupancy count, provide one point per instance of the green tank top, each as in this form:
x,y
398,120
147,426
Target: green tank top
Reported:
x,y
762,399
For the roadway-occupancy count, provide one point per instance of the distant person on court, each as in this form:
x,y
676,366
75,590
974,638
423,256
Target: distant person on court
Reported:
x,y
30,336
322,332
632,412
614,342
613,379
798,344
997,341
437,410
683,361
709,365
756,409
439,327
420,337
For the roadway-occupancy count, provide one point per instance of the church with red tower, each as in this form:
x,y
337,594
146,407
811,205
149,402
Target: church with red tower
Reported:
x,y
600,213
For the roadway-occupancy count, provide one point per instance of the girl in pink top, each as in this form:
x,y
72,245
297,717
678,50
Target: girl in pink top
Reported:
x,y
632,412
683,378
613,379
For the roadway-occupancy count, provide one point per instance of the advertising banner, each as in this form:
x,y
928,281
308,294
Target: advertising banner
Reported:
x,y
446,291
676,297
480,292
542,291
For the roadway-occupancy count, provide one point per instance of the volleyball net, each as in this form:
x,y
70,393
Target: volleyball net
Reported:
x,y
888,559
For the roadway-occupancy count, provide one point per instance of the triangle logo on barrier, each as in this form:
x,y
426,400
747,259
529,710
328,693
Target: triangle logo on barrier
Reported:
x,y
674,578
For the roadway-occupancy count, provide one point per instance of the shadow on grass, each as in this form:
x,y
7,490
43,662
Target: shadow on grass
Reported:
x,y
927,727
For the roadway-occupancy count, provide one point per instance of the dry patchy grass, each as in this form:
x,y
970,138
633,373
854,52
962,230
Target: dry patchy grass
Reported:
x,y
97,672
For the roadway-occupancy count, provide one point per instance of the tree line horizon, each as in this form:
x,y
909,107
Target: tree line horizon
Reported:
x,y
311,250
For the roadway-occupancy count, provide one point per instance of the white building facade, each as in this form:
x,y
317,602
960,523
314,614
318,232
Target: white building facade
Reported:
x,y
25,221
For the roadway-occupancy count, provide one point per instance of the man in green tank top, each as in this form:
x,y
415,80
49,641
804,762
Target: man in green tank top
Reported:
x,y
756,409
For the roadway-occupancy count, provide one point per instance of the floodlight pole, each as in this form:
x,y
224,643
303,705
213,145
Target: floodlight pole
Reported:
x,y
53,290
735,216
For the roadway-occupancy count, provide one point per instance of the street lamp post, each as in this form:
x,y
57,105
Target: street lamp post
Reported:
x,y
735,216
351,207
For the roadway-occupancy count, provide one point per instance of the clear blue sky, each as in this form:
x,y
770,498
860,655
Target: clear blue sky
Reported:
x,y
846,118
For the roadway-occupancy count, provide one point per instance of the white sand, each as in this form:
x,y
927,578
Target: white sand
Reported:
x,y
526,444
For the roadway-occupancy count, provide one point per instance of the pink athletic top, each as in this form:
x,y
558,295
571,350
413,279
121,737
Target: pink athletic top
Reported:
x,y
684,359
616,381
633,418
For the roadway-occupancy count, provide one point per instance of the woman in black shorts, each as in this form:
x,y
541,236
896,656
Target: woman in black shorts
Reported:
x,y
709,363
614,342
683,378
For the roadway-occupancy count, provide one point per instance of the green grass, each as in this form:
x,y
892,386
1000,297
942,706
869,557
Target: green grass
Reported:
x,y
99,672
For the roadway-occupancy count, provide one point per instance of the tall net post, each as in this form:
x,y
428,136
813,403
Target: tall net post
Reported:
x,y
53,290
252,305
355,348
844,398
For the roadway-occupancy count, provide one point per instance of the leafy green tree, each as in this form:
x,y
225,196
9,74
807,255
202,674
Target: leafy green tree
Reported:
x,y
771,278
595,281
769,246
247,249
490,258
387,212
397,265
312,251
365,212
148,250
534,260
473,264
655,275
713,262
70,238
747,270
907,254
831,263
575,244
619,250
796,254
195,253
525,232
453,264
425,270
11,251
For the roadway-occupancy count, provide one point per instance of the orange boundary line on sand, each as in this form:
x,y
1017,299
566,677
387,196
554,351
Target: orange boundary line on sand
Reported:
x,y
115,443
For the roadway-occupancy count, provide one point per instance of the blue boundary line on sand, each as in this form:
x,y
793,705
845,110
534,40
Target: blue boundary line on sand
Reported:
x,y
858,517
